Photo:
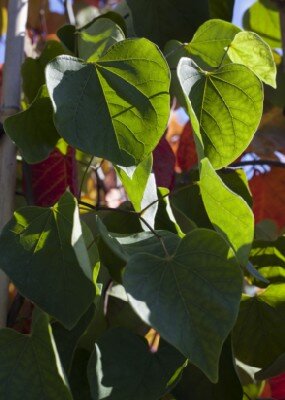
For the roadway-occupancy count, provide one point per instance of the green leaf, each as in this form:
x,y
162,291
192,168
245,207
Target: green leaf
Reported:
x,y
37,253
66,340
116,108
33,70
263,18
164,219
136,373
250,50
211,40
66,35
236,181
94,40
258,336
225,107
140,186
78,376
229,213
154,18
115,250
276,96
269,259
33,130
195,382
222,9
29,364
191,297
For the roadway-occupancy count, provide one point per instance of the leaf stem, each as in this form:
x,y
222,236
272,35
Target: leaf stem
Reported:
x,y
103,208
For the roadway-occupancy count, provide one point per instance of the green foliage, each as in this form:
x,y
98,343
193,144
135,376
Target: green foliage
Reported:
x,y
37,251
200,279
30,364
166,261
137,373
215,101
123,104
33,130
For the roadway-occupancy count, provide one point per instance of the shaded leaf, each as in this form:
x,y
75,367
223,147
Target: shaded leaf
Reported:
x,y
122,96
78,376
164,219
37,253
177,294
66,35
33,70
269,259
136,372
258,336
274,369
154,18
216,100
195,386
33,130
229,213
249,49
66,340
30,365
222,9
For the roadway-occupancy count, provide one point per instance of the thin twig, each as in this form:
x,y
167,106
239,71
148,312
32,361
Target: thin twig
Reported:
x,y
271,163
84,176
152,203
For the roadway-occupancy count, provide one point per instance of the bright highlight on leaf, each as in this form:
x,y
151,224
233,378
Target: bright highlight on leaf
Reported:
x,y
116,108
37,253
191,298
249,49
33,130
211,40
229,213
225,107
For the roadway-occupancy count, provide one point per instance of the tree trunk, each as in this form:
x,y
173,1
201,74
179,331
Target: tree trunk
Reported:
x,y
17,18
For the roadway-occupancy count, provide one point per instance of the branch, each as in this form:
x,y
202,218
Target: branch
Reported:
x,y
271,163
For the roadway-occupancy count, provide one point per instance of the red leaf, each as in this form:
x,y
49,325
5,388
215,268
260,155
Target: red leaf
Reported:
x,y
268,191
51,177
163,164
186,153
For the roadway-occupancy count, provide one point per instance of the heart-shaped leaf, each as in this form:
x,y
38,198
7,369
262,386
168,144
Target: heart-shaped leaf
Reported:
x,y
33,130
249,49
191,297
225,107
229,213
116,108
29,364
37,252
136,373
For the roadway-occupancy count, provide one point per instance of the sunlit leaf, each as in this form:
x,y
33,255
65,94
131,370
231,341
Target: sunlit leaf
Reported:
x,y
249,49
124,101
225,108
